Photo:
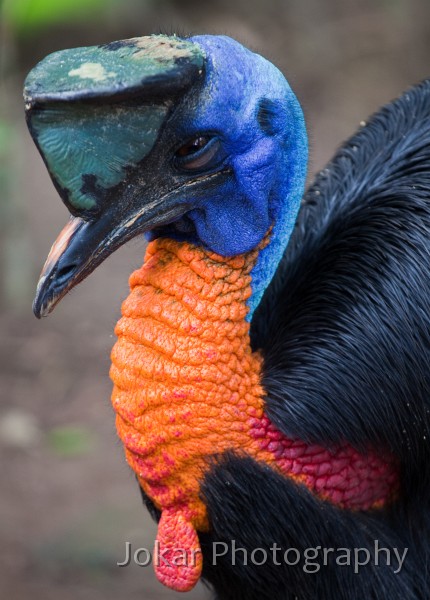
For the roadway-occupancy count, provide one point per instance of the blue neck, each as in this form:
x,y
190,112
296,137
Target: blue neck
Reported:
x,y
264,131
286,202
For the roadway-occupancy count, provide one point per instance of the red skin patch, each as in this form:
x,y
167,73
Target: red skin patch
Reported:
x,y
343,475
187,386
177,557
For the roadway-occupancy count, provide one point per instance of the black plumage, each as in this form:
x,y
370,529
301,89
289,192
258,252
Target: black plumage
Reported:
x,y
344,329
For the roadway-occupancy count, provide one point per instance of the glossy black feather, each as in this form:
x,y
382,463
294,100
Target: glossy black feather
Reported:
x,y
344,329
345,325
251,504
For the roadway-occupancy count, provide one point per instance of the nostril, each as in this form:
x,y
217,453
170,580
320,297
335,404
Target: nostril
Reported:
x,y
64,274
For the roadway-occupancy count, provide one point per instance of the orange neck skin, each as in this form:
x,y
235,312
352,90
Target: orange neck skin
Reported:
x,y
187,387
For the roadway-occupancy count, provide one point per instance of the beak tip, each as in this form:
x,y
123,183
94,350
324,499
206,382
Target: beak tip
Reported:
x,y
41,306
37,302
43,309
38,309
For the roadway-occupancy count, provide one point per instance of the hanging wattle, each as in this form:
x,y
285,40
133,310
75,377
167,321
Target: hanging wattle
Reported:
x,y
187,387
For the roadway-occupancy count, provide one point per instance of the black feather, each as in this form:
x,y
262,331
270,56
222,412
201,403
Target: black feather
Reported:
x,y
345,326
249,503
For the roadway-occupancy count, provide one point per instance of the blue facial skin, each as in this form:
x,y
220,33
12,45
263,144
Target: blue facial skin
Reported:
x,y
126,168
247,103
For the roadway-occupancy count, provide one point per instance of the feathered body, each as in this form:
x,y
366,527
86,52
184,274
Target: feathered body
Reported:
x,y
344,331
257,408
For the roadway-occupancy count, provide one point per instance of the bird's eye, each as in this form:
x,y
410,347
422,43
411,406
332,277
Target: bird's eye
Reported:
x,y
201,152
193,146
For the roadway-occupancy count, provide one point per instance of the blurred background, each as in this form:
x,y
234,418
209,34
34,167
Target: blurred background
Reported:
x,y
68,503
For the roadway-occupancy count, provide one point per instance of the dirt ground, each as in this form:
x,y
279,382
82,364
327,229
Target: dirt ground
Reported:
x,y
68,502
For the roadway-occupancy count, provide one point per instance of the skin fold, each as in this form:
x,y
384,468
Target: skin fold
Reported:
x,y
187,386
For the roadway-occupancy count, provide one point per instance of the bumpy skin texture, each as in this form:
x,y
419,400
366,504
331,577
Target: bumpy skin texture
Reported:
x,y
187,387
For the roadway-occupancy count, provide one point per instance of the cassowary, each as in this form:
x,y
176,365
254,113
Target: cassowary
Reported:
x,y
271,398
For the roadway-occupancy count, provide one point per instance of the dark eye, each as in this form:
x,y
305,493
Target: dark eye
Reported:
x,y
193,146
199,153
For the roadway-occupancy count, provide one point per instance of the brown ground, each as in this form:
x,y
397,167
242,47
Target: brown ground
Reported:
x,y
68,502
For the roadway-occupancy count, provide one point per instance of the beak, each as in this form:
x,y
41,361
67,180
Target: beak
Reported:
x,y
83,245
49,289
96,115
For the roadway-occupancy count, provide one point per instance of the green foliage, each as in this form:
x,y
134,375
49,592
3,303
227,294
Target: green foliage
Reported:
x,y
70,440
25,15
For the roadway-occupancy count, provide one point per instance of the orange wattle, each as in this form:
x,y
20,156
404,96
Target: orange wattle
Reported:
x,y
187,387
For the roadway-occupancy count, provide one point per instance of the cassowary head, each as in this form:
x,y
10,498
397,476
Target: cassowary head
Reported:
x,y
197,139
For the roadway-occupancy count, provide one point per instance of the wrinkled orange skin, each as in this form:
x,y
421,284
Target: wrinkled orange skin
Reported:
x,y
187,387
186,381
